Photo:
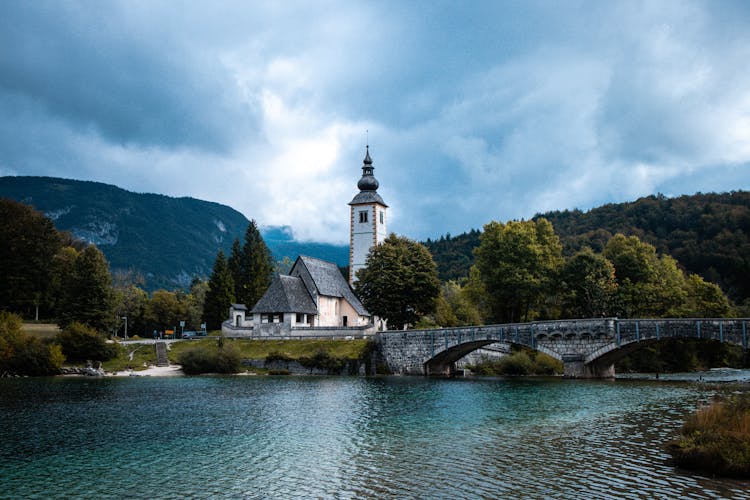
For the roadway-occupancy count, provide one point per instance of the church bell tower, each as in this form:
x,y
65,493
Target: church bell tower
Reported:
x,y
367,219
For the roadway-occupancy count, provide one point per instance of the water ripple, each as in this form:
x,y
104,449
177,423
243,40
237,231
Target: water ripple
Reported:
x,y
242,437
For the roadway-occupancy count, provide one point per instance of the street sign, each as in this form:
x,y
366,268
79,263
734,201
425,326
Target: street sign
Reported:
x,y
182,324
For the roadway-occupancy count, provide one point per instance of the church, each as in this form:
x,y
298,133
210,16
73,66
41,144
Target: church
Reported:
x,y
315,298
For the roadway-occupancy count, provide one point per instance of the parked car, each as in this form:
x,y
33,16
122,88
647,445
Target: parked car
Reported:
x,y
189,334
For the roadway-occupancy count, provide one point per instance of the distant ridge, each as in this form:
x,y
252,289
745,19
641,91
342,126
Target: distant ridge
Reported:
x,y
168,241
708,234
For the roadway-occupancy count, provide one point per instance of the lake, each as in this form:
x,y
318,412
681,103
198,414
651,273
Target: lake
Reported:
x,y
339,437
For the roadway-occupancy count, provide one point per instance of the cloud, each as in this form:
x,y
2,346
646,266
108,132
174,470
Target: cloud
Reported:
x,y
487,111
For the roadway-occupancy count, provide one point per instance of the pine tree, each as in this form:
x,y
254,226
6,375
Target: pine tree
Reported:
x,y
88,296
220,294
255,268
234,262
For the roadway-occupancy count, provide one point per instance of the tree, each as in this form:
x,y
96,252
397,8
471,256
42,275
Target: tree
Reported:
x,y
82,343
517,263
29,243
165,309
648,285
255,268
706,300
220,294
588,285
88,296
131,303
399,281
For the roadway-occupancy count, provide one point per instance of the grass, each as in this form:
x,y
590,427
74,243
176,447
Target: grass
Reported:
x,y
41,331
143,354
290,349
716,439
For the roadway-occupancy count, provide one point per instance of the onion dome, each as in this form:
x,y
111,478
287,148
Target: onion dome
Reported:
x,y
368,182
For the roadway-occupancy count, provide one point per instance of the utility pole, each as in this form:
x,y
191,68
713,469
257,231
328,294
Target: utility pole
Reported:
x,y
126,326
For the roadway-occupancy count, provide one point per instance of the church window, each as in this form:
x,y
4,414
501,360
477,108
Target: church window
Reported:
x,y
363,216
381,218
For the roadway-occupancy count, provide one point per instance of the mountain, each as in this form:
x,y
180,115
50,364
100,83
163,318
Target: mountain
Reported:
x,y
708,234
168,241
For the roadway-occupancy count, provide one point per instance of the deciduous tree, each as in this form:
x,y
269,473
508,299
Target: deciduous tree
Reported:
x,y
517,263
399,281
588,285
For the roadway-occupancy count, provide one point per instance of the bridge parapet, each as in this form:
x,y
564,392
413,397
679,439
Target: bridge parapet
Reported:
x,y
587,347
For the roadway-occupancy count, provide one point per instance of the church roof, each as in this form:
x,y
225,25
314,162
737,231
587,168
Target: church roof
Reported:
x,y
329,281
286,294
367,197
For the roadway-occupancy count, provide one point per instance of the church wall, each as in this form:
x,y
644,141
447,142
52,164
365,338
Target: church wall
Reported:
x,y
328,311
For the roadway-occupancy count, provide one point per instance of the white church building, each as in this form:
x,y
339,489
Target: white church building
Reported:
x,y
315,299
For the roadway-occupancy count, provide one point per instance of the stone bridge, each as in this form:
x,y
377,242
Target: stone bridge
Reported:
x,y
588,348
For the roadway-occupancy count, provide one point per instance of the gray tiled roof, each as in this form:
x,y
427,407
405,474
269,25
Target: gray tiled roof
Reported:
x,y
330,282
239,307
367,197
286,294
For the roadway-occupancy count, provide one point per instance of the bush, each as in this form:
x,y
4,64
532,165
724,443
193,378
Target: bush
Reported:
x,y
21,354
200,359
277,356
81,343
716,439
520,362
322,360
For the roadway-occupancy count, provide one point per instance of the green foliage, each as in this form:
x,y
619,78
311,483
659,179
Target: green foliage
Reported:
x,y
82,343
517,263
22,354
682,355
521,362
208,359
324,361
29,244
399,282
588,285
153,235
454,255
131,302
251,268
87,295
220,294
166,309
706,300
709,234
716,439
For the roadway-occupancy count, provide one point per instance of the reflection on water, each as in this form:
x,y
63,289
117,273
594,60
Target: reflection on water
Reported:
x,y
346,437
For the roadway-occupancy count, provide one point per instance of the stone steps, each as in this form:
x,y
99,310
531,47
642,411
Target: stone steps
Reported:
x,y
161,354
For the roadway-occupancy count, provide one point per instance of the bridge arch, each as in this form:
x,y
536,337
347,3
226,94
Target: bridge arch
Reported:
x,y
587,347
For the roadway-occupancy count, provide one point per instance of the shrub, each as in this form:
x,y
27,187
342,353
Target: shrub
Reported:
x,y
277,356
322,360
716,439
518,363
278,372
22,354
80,343
545,364
200,359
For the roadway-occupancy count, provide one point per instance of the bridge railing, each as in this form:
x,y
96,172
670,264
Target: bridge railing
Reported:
x,y
734,331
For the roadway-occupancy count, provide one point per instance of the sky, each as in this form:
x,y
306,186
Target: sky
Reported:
x,y
474,111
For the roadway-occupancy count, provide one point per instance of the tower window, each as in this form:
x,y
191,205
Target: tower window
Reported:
x,y
363,216
381,218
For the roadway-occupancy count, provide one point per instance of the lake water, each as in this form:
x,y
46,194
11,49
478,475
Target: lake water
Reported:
x,y
321,437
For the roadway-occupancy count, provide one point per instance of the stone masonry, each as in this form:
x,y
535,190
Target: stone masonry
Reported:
x,y
588,348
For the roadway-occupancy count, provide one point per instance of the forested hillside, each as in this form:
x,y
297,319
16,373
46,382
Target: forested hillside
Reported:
x,y
164,241
708,234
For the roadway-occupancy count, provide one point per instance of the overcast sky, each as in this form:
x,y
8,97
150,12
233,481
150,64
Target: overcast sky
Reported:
x,y
476,111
